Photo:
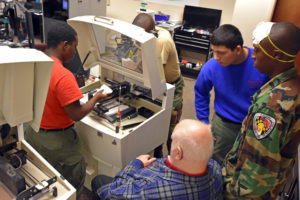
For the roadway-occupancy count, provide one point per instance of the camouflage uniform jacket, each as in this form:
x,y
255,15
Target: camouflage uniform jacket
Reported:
x,y
262,156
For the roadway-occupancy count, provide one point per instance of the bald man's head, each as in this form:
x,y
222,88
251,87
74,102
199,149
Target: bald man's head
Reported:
x,y
286,36
195,139
144,21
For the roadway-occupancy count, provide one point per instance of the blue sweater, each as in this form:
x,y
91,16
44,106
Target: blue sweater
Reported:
x,y
233,85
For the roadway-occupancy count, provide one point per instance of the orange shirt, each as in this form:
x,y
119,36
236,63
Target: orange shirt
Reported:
x,y
63,90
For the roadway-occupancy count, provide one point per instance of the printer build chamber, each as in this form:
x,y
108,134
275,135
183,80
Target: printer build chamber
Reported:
x,y
124,54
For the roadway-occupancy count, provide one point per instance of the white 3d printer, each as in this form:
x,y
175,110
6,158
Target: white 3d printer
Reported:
x,y
24,173
136,119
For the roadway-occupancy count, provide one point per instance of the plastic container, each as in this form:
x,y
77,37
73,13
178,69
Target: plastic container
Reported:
x,y
161,17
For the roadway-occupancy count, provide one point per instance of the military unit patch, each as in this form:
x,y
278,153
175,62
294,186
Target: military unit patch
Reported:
x,y
263,125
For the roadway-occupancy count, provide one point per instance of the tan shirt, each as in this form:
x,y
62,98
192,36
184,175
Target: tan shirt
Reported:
x,y
169,55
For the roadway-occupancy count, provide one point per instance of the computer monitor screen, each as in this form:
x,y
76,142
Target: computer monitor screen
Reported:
x,y
56,9
65,5
198,17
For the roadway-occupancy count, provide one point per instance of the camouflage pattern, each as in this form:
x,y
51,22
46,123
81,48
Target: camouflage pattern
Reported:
x,y
177,109
261,158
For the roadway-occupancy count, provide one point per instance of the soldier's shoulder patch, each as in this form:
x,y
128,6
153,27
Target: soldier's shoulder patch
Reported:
x,y
263,125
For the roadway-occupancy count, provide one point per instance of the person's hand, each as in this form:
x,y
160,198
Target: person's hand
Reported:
x,y
100,95
146,159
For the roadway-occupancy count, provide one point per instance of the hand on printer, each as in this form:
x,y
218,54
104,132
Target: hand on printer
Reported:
x,y
100,95
106,89
146,159
104,92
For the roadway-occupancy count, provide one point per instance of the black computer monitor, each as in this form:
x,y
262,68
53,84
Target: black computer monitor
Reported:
x,y
56,9
198,17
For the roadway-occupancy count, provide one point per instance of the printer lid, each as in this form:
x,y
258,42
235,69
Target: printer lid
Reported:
x,y
24,80
120,48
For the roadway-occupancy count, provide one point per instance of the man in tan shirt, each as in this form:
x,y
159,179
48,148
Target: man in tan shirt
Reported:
x,y
172,71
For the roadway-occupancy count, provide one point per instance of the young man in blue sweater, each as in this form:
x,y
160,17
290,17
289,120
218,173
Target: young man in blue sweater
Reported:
x,y
232,74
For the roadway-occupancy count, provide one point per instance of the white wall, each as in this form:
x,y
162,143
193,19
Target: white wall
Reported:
x,y
127,9
248,13
244,14
90,7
